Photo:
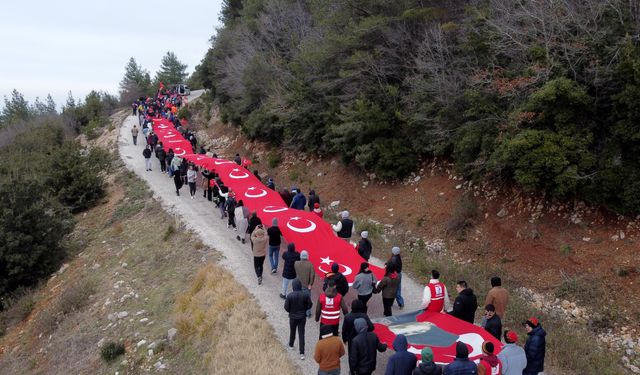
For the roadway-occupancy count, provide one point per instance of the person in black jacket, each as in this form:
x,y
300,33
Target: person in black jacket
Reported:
x,y
396,261
297,304
147,157
466,303
362,351
313,199
357,312
288,270
364,246
427,366
341,282
493,323
535,347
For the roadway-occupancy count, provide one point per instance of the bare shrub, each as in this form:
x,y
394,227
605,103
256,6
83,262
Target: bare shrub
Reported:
x,y
462,217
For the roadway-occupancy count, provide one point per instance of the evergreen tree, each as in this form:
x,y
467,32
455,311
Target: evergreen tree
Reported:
x,y
172,71
136,82
16,109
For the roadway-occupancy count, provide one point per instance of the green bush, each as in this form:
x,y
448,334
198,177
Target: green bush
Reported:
x,y
462,217
184,113
274,159
111,350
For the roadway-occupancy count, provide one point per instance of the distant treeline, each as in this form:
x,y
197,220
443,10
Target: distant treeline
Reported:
x,y
540,92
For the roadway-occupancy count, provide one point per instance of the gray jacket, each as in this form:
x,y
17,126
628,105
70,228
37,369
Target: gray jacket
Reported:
x,y
364,283
513,359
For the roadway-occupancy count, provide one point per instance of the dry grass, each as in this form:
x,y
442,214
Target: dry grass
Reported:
x,y
224,323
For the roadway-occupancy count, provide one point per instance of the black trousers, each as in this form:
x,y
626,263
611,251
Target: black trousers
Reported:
x,y
163,165
232,218
192,188
387,303
299,325
258,265
364,300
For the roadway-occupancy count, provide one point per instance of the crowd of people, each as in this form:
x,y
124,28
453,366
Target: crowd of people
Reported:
x,y
331,305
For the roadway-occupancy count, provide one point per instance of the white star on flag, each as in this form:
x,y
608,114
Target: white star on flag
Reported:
x,y
296,218
326,260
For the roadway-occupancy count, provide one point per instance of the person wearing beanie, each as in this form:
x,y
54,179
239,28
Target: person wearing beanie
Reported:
x,y
402,362
363,350
497,296
389,287
348,328
492,322
512,356
328,308
345,227
364,283
338,278
328,352
435,296
317,210
305,273
275,241
427,366
296,304
535,347
396,261
313,199
489,363
461,365
290,257
466,303
364,246
270,184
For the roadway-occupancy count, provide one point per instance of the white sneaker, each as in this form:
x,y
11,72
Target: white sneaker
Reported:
x,y
302,357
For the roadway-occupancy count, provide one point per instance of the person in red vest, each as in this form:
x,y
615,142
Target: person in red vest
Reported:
x,y
489,363
330,302
435,297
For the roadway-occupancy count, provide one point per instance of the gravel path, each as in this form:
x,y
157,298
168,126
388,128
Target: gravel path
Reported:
x,y
203,218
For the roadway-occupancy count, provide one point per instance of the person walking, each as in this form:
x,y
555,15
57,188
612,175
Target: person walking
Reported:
x,y
162,157
461,365
230,206
296,304
512,356
435,296
238,159
401,362
427,366
489,363
364,246
363,350
491,322
328,308
396,261
288,270
271,184
254,221
345,227
313,200
134,134
275,241
147,157
299,200
305,273
497,296
259,249
328,352
338,278
388,286
241,215
535,347
348,327
177,181
466,303
191,179
317,210
364,283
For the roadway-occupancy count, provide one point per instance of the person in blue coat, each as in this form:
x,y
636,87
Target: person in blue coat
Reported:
x,y
402,362
461,365
535,347
299,200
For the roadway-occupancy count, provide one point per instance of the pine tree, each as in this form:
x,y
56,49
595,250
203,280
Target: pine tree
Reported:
x,y
172,71
136,82
16,109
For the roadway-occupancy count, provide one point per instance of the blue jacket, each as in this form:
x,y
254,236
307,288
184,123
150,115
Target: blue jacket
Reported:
x,y
299,201
535,348
461,366
402,362
513,359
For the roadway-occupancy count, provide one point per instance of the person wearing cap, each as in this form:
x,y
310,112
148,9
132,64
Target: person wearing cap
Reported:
x,y
317,210
296,304
328,308
364,246
461,365
363,350
512,356
345,227
492,322
275,241
305,273
427,366
396,261
364,283
328,352
357,312
401,362
497,296
435,296
338,278
535,347
489,363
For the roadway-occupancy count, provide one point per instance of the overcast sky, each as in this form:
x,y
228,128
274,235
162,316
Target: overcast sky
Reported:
x,y
80,45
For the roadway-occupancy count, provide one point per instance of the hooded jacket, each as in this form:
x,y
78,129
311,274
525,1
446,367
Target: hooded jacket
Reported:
x,y
362,351
290,257
330,292
305,272
402,362
299,201
465,306
341,282
487,363
348,327
513,359
427,368
388,286
535,348
260,240
297,302
461,365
